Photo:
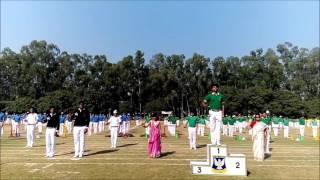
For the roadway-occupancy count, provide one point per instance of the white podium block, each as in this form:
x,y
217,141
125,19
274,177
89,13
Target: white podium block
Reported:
x,y
219,162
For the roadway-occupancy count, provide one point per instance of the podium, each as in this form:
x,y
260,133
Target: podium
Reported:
x,y
220,162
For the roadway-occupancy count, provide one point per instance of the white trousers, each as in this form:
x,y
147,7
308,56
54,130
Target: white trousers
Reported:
x,y
231,130
30,135
201,129
114,136
79,140
240,126
301,130
215,124
147,130
1,129
15,128
69,126
314,131
192,137
225,130
90,129
172,129
267,141
95,127
276,129
61,129
39,127
50,141
138,123
126,127
101,126
286,131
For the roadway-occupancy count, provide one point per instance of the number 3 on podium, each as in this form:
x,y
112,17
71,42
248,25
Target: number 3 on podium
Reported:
x,y
199,170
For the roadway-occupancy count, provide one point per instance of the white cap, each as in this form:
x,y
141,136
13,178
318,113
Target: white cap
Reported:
x,y
267,111
115,111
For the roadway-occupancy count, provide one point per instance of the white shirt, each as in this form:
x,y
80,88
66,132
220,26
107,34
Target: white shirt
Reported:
x,y
32,118
114,121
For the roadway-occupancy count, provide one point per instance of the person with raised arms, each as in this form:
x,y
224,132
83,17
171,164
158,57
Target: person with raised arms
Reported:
x,y
114,122
214,100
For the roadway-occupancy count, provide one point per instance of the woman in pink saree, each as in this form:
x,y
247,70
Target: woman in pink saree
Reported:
x,y
154,141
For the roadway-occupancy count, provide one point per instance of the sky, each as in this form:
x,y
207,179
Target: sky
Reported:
x,y
120,28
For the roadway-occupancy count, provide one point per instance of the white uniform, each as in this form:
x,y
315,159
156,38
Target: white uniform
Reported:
x,y
31,124
215,124
258,137
114,125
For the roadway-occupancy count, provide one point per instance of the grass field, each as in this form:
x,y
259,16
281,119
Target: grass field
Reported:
x,y
289,159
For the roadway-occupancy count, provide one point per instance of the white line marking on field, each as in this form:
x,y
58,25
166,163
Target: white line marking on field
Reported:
x,y
158,164
49,165
174,159
29,164
67,172
34,170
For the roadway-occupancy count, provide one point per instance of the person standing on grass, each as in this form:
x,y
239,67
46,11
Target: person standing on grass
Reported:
x,y
302,126
154,141
275,125
147,119
266,120
286,127
192,121
62,119
314,125
69,122
17,120
258,136
216,111
201,125
31,120
2,118
114,122
225,125
81,123
231,122
53,124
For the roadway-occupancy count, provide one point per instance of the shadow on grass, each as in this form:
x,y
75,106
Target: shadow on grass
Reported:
x,y
202,146
72,152
267,156
125,145
45,145
102,152
164,154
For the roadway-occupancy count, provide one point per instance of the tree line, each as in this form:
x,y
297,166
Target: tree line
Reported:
x,y
284,81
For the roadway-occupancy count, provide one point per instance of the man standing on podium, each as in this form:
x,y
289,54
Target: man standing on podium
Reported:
x,y
216,110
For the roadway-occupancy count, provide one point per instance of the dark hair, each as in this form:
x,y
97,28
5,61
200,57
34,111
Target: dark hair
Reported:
x,y
214,84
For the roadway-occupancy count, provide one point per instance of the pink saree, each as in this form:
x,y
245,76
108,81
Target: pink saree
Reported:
x,y
154,142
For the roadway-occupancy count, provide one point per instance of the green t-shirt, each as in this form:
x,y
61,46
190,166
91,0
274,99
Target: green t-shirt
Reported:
x,y
314,122
214,101
202,120
241,119
173,119
225,120
250,118
192,121
148,119
302,121
231,121
266,120
275,120
286,122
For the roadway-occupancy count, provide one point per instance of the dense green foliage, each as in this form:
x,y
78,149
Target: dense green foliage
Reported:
x,y
285,80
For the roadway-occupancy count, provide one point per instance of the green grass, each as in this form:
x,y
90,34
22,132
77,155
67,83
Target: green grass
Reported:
x,y
289,159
